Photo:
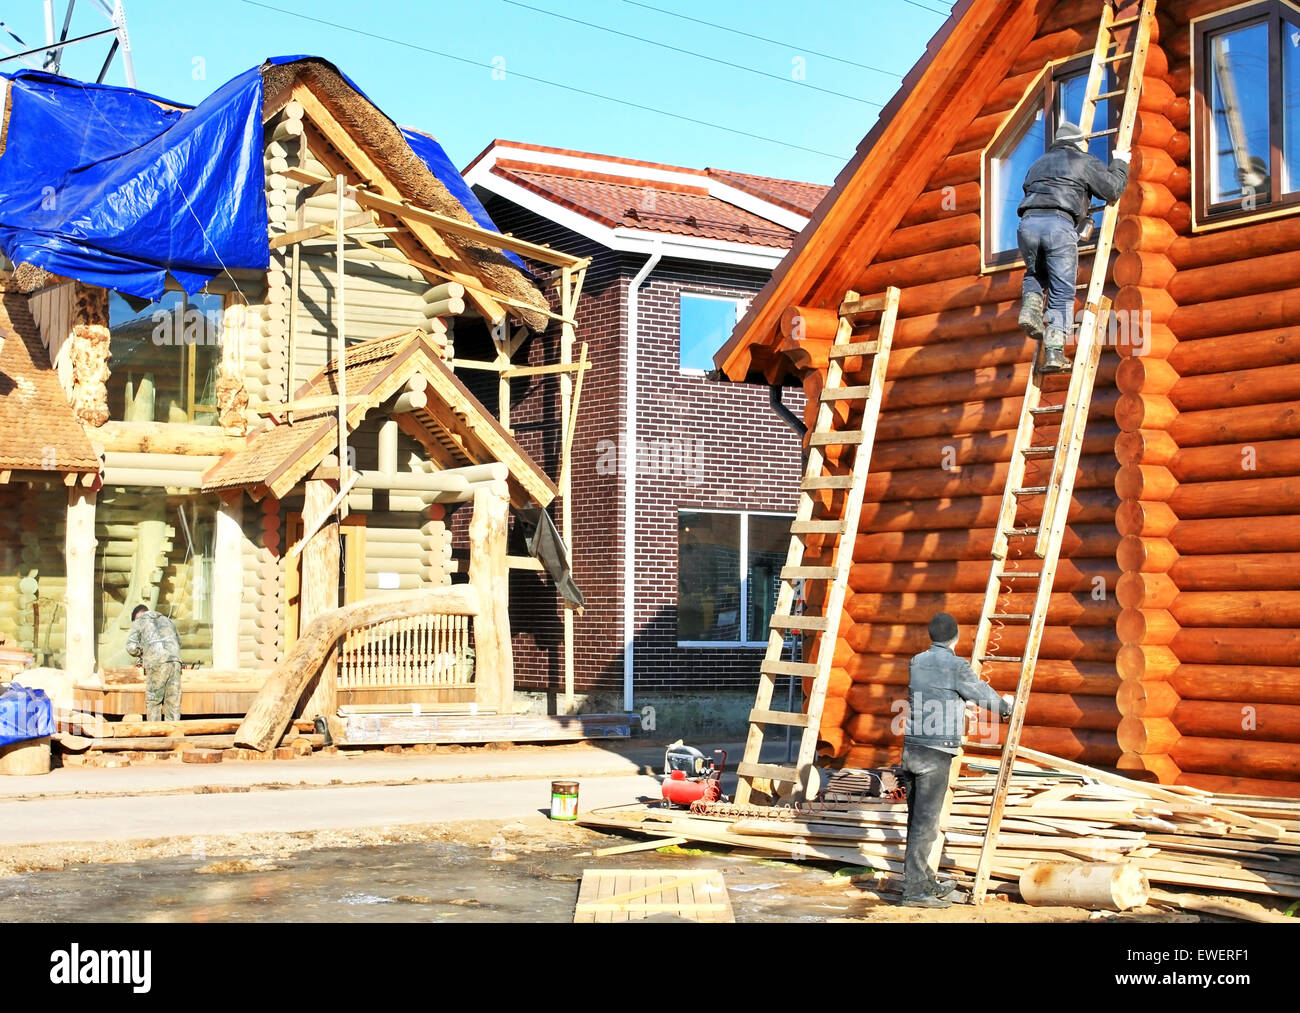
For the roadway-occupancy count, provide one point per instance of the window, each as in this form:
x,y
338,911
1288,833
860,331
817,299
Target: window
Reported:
x,y
1056,98
163,366
705,324
728,576
1247,66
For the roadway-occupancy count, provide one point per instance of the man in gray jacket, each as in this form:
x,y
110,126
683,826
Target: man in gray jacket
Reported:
x,y
938,690
1059,188
154,640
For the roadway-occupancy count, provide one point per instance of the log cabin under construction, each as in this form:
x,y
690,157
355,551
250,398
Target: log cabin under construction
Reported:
x,y
1171,648
187,454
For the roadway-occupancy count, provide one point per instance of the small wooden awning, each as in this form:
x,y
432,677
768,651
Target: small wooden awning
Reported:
x,y
453,427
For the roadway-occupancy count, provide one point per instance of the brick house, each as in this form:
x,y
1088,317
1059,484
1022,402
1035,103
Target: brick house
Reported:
x,y
678,545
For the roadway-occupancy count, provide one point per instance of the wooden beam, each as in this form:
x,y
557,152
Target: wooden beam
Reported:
x,y
555,367
325,515
494,673
320,231
403,209
565,457
227,582
81,591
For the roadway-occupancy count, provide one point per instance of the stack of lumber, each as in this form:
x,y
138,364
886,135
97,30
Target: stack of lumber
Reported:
x,y
1057,811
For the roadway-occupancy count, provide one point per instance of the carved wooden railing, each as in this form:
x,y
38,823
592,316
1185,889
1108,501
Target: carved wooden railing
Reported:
x,y
416,652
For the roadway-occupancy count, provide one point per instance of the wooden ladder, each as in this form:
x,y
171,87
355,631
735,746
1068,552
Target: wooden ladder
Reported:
x,y
1120,41
823,630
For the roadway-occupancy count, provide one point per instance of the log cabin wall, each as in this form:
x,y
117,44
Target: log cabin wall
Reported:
x,y
1171,644
31,546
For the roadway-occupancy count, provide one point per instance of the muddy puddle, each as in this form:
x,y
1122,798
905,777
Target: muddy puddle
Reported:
x,y
424,882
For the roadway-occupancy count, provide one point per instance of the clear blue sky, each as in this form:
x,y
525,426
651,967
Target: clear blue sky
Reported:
x,y
185,51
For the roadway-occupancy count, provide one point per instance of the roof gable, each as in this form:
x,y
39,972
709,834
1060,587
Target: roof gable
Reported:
x,y
453,427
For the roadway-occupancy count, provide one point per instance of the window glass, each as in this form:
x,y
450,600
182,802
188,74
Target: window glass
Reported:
x,y
1290,106
1006,183
708,577
163,366
1239,114
769,543
705,325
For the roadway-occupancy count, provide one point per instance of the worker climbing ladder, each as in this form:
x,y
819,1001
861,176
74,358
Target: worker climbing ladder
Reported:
x,y
821,631
1122,42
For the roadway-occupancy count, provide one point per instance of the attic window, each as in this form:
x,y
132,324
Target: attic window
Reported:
x,y
1247,131
1056,97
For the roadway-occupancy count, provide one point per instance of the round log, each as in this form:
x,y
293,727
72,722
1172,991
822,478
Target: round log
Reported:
x,y
1146,411
1094,886
1258,349
1230,720
1139,698
1082,644
1145,375
1221,785
1157,767
1266,385
1146,626
897,546
1095,472
1145,661
1237,608
944,203
1258,459
931,237
962,167
802,323
1235,246
959,293
1146,482
1154,520
23,759
1072,575
1147,555
1145,590
1152,270
1234,425
1235,316
1076,678
1245,497
1152,200
956,261
1237,646
1259,684
1062,610
1144,447
1136,233
1147,735
1269,760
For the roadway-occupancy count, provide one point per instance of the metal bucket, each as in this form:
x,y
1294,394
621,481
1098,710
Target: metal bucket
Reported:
x,y
564,800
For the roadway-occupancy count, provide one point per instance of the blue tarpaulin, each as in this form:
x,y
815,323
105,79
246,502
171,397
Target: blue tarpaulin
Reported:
x,y
101,184
24,714
104,185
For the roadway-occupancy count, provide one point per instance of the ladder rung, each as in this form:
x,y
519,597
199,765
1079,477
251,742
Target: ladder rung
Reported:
x,y
771,771
1022,532
817,623
850,437
853,348
1023,617
1110,94
1132,19
817,528
999,657
799,669
846,393
1117,57
1039,452
809,573
795,719
861,307
1031,490
1102,133
827,482
1050,409
1012,574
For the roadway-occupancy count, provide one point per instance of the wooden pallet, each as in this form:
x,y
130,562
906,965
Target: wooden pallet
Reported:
x,y
623,895
820,480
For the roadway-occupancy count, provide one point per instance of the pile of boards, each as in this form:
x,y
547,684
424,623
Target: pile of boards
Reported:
x,y
1057,811
86,739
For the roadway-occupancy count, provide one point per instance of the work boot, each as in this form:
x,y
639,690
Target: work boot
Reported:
x,y
943,887
1054,360
1031,315
927,900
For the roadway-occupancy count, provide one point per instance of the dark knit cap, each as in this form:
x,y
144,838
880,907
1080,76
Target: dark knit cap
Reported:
x,y
943,628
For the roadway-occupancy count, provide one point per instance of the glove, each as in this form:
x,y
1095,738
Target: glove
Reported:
x,y
1124,155
1008,702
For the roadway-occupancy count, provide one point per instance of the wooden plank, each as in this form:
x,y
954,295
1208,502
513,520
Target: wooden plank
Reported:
x,y
627,849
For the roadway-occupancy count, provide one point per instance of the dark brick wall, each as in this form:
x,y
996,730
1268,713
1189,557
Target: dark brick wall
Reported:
x,y
702,445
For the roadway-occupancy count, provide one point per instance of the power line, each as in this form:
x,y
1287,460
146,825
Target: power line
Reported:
x,y
550,84
688,52
925,8
762,38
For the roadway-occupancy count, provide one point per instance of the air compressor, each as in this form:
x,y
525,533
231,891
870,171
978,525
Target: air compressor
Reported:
x,y
690,776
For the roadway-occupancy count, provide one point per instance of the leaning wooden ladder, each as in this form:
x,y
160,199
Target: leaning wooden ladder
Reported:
x,y
823,630
1063,455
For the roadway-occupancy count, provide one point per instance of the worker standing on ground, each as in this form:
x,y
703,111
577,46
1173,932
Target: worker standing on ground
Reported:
x,y
154,640
1059,188
938,690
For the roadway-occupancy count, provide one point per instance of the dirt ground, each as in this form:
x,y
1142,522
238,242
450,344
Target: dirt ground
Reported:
x,y
806,887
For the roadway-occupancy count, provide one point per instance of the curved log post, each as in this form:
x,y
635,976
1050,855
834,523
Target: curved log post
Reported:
x,y
274,705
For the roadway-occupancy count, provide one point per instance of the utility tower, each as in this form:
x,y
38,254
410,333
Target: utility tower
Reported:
x,y
48,55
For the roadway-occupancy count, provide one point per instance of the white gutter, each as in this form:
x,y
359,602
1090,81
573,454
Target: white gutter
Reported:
x,y
629,475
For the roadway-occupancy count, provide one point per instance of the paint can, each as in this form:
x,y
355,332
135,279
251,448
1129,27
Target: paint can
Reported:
x,y
564,800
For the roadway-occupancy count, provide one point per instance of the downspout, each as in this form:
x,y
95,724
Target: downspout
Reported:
x,y
629,457
787,416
